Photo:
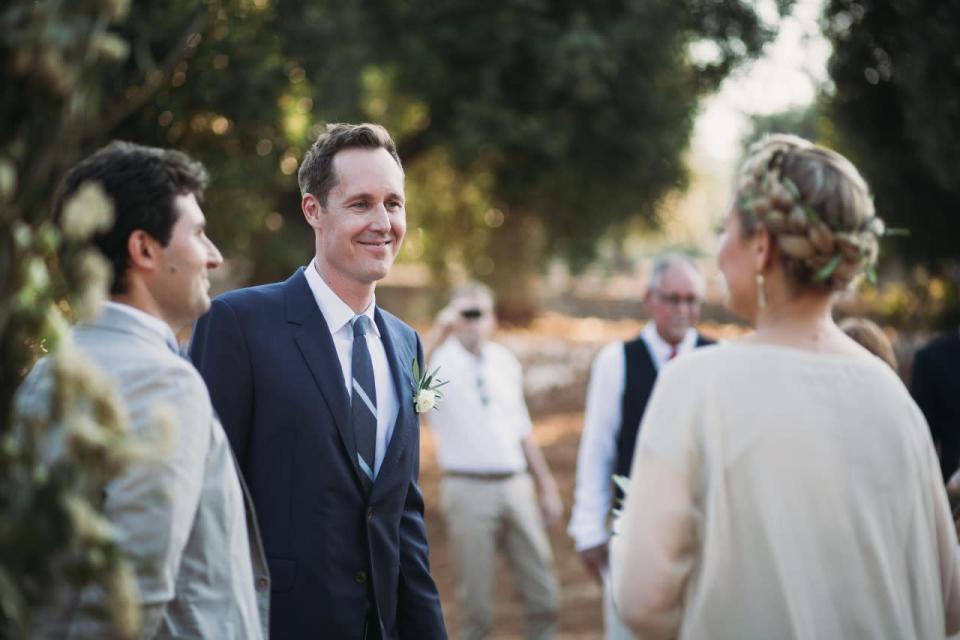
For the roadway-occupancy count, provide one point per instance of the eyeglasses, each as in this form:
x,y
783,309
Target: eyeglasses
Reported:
x,y
471,314
675,299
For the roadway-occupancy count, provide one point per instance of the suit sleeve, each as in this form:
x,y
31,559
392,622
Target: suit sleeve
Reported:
x,y
418,603
154,503
218,349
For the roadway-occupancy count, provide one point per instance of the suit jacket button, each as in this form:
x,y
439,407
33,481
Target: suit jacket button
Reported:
x,y
370,513
262,584
360,577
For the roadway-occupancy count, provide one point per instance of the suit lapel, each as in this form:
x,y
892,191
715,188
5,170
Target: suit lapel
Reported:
x,y
312,335
400,372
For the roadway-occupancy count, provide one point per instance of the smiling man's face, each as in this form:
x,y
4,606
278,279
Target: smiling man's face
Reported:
x,y
360,229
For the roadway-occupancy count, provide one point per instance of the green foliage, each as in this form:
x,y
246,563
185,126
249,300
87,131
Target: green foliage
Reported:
x,y
805,122
553,118
54,461
896,108
51,52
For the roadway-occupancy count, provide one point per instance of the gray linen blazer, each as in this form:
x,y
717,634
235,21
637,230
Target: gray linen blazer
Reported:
x,y
184,517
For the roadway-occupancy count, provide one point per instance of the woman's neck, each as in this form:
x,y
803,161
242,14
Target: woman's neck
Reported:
x,y
802,320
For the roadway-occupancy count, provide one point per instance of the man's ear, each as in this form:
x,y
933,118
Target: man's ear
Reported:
x,y
312,209
143,250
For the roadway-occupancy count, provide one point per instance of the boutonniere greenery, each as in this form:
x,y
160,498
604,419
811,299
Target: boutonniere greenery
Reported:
x,y
426,389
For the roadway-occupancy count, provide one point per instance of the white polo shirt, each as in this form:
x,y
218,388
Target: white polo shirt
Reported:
x,y
482,420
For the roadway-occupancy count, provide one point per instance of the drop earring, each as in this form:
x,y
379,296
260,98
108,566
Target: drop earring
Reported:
x,y
761,292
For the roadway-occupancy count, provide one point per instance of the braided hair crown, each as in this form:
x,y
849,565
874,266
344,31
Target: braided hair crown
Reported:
x,y
817,207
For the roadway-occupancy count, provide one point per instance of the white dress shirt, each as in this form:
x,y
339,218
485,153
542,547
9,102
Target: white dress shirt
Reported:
x,y
598,442
473,436
338,316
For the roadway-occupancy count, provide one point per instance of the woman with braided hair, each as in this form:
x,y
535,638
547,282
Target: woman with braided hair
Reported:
x,y
784,484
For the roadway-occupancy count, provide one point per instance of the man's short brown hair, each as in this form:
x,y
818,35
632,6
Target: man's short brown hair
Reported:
x,y
317,176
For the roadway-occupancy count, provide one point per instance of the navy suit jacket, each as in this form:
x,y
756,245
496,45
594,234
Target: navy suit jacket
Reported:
x,y
269,361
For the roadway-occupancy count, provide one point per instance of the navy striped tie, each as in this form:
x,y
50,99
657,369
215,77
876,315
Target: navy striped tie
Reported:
x,y
363,405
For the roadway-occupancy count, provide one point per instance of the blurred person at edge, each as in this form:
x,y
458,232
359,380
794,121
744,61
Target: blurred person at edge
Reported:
x,y
182,515
621,379
935,385
487,453
871,337
784,484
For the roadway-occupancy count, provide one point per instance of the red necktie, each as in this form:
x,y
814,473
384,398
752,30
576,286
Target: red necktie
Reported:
x,y
673,353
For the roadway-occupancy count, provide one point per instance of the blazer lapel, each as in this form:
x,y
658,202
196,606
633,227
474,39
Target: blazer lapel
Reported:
x,y
313,338
400,371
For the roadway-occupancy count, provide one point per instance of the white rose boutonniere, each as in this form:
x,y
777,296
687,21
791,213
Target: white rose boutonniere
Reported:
x,y
426,389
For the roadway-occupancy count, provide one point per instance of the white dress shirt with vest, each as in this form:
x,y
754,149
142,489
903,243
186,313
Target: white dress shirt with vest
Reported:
x,y
598,442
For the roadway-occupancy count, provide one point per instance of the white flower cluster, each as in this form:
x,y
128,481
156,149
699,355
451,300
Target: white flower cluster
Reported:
x,y
88,212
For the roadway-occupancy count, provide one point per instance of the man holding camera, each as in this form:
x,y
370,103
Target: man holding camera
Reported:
x,y
487,453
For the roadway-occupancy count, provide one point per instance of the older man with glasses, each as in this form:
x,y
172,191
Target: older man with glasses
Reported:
x,y
621,380
484,446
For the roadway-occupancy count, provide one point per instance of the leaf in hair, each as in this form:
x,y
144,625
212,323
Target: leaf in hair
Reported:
x,y
792,188
897,232
812,214
827,270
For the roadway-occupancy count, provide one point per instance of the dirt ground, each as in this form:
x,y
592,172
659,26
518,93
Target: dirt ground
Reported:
x,y
580,596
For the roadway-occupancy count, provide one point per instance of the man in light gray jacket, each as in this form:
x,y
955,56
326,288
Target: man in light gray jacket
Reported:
x,y
182,516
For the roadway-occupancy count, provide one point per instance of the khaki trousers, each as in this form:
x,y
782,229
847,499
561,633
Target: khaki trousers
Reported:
x,y
482,516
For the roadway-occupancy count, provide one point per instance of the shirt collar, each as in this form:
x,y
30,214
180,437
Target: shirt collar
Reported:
x,y
662,347
153,323
454,345
336,312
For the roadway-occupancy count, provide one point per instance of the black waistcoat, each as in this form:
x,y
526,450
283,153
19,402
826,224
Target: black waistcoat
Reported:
x,y
641,373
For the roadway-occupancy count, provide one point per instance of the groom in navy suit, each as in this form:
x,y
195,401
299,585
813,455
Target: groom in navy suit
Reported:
x,y
313,384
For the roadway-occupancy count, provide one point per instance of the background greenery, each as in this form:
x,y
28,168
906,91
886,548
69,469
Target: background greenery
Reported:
x,y
528,128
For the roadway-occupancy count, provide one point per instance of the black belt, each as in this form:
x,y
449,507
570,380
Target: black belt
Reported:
x,y
482,475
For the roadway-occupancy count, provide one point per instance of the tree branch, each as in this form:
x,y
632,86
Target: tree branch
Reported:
x,y
152,81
